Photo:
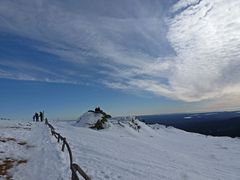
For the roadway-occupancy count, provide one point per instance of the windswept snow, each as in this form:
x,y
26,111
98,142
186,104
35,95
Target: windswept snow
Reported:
x,y
88,119
33,143
122,152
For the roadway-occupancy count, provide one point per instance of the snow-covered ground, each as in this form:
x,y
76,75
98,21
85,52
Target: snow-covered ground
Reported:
x,y
122,152
88,119
31,144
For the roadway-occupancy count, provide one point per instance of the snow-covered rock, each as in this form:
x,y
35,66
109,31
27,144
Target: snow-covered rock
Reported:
x,y
88,119
97,119
130,121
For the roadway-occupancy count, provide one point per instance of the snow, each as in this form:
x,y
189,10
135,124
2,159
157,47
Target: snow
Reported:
x,y
44,158
122,152
88,119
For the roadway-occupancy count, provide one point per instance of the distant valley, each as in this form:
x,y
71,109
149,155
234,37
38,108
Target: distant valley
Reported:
x,y
213,123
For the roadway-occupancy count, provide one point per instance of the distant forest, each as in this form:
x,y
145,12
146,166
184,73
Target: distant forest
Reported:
x,y
219,124
1,118
229,127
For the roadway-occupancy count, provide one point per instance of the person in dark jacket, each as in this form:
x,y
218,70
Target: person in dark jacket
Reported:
x,y
41,116
36,117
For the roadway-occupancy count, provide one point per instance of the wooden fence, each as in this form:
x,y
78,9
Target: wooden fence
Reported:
x,y
73,166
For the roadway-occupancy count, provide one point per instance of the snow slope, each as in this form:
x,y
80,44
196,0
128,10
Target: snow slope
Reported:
x,y
88,119
33,143
121,152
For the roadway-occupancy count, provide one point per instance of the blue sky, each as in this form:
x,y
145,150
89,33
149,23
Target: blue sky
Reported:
x,y
130,57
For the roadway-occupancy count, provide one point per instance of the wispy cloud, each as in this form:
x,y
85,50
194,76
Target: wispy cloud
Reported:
x,y
187,51
206,38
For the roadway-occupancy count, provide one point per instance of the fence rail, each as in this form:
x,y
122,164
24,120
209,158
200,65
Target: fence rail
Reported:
x,y
75,168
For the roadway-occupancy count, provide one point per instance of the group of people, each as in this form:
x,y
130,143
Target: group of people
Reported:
x,y
38,117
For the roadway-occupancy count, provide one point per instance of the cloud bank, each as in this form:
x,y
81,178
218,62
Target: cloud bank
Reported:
x,y
187,51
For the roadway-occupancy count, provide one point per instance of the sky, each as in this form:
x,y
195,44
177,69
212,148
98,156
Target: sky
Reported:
x,y
128,57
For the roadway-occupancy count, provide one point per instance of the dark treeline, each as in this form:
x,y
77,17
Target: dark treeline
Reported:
x,y
228,127
219,124
6,119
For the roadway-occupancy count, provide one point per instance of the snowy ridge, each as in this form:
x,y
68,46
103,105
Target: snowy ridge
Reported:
x,y
123,152
88,119
154,152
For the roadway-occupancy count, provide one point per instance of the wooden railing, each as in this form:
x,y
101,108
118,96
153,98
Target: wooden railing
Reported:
x,y
73,166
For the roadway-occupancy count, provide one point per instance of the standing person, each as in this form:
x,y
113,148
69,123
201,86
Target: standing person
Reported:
x,y
36,116
46,121
41,116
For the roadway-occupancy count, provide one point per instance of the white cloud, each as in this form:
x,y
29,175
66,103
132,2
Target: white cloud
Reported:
x,y
181,4
207,40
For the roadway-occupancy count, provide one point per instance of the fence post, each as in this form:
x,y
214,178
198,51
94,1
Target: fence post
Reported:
x,y
46,121
58,138
64,141
74,174
74,167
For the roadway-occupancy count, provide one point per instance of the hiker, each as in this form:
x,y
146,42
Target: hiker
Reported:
x,y
36,117
46,121
41,116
